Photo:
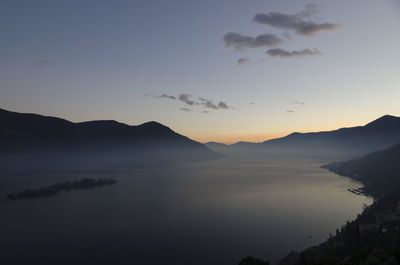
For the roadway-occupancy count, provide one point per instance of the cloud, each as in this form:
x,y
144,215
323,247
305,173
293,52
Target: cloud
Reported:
x,y
290,111
160,96
298,103
167,96
252,103
309,10
41,63
223,105
186,98
240,42
204,111
243,61
281,53
209,104
299,22
186,109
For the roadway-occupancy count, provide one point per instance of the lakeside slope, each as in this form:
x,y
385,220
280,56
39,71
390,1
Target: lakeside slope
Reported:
x,y
31,141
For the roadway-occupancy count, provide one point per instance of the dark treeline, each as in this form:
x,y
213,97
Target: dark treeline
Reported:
x,y
372,238
46,191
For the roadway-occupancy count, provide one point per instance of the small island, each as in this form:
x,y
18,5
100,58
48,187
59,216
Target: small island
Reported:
x,y
47,191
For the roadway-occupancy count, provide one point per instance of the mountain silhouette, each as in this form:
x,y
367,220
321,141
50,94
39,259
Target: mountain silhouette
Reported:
x,y
32,134
378,134
378,171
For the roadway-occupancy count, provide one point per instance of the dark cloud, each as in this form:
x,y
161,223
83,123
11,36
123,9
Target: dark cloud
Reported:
x,y
186,98
240,42
223,105
209,104
290,111
41,63
186,109
299,22
252,103
204,111
243,61
281,53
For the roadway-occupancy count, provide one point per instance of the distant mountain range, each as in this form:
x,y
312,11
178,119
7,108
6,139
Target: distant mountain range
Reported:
x,y
32,134
381,133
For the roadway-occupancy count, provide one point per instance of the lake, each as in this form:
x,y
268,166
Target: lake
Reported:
x,y
200,213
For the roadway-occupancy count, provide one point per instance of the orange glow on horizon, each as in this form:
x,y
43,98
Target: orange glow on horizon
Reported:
x,y
231,139
257,138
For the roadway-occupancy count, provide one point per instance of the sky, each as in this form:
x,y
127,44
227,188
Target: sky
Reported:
x,y
224,71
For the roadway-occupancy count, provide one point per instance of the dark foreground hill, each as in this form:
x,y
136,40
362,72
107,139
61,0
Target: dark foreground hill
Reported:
x,y
372,238
378,171
27,139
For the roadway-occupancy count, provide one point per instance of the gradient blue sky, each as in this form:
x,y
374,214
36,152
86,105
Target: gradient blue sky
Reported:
x,y
84,60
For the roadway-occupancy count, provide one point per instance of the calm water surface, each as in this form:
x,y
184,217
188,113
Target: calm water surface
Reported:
x,y
203,213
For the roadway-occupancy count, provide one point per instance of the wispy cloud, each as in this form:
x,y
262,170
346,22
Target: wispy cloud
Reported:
x,y
298,103
243,61
188,100
161,96
211,105
309,10
290,111
186,109
241,42
299,22
281,53
167,96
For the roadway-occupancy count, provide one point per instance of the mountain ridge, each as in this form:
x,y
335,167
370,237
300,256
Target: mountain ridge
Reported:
x,y
27,134
377,134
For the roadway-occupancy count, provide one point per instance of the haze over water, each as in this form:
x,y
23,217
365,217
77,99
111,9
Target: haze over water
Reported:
x,y
213,212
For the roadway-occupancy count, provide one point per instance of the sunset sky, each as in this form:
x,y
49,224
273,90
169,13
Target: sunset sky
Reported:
x,y
225,70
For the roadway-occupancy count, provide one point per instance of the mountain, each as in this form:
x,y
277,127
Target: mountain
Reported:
x,y
32,134
345,142
376,135
378,171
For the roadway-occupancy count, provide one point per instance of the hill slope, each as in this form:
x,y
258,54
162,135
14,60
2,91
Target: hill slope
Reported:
x,y
345,142
31,134
378,134
378,171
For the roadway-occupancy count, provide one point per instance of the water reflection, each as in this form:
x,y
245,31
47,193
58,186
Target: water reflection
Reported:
x,y
213,212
